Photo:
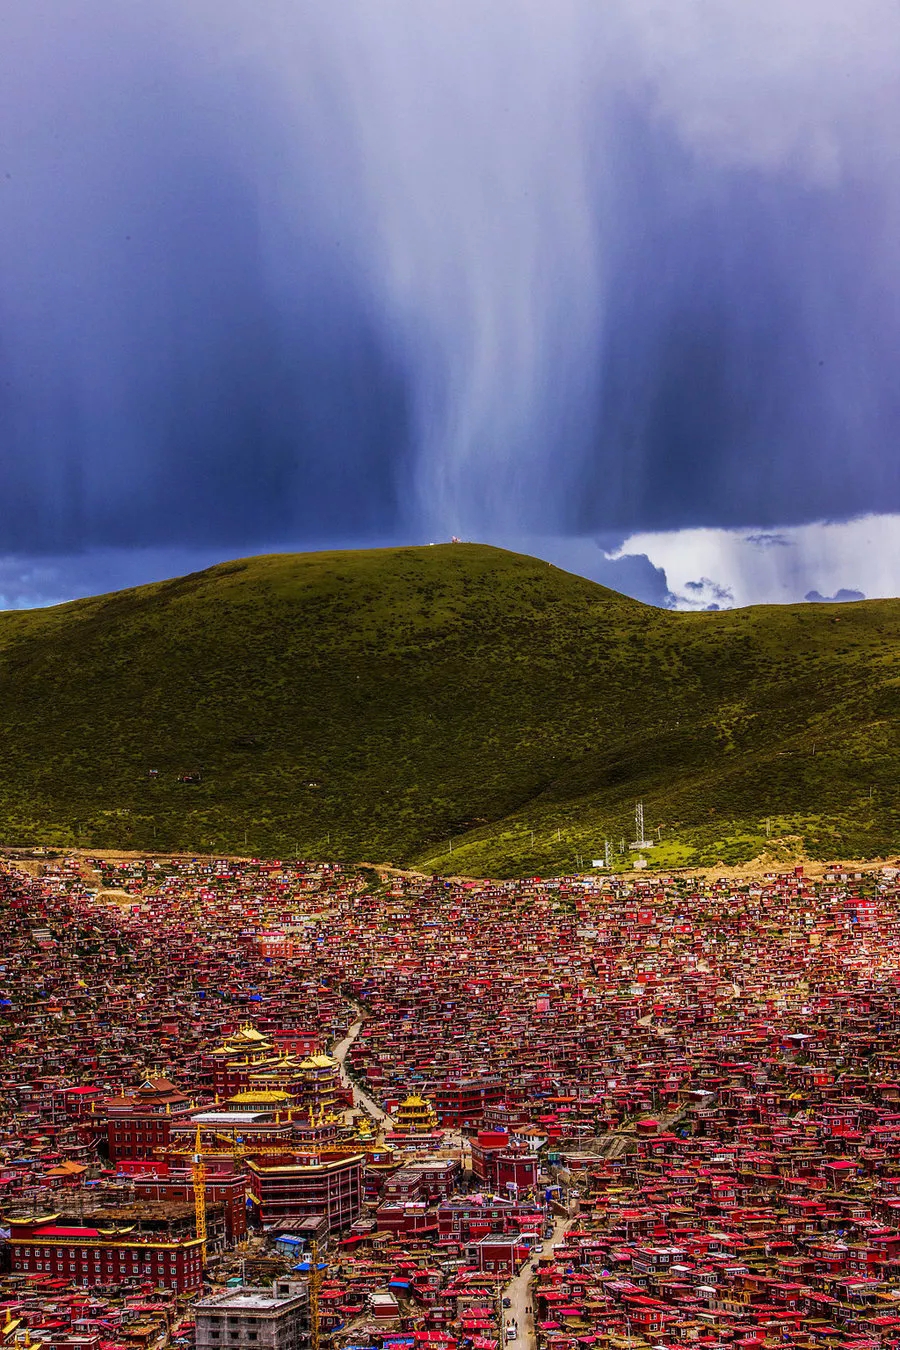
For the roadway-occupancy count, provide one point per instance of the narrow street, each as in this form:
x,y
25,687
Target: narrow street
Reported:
x,y
360,1098
519,1292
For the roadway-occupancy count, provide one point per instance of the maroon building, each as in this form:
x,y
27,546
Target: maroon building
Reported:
x,y
501,1165
282,1190
503,1255
467,1218
139,1126
462,1101
82,1254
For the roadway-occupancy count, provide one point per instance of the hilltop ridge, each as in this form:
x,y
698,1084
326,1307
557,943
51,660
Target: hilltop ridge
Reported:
x,y
386,703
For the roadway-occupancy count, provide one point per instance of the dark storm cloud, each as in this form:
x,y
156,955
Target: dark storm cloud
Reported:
x,y
168,372
750,366
766,540
843,596
292,272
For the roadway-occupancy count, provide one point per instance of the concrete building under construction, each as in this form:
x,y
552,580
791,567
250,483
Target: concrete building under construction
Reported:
x,y
274,1318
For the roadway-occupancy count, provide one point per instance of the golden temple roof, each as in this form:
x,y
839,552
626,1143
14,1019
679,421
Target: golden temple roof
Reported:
x,y
261,1095
318,1062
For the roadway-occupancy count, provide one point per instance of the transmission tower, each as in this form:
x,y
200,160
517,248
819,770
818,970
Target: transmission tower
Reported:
x,y
640,841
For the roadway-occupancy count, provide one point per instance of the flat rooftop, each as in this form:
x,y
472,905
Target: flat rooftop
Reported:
x,y
246,1300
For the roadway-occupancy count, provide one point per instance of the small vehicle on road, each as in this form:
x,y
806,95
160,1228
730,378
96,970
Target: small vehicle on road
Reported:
x,y
511,1330
507,1303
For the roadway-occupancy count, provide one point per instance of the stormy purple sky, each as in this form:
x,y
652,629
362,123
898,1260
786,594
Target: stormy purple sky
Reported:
x,y
617,284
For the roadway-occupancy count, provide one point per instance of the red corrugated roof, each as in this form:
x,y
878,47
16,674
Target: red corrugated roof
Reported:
x,y
53,1231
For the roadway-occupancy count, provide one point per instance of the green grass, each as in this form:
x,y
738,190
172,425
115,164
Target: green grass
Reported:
x,y
379,705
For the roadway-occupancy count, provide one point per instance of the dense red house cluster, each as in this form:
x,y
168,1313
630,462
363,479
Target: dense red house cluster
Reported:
x,y
694,1084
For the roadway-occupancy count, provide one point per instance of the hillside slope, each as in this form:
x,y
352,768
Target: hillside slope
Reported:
x,y
380,704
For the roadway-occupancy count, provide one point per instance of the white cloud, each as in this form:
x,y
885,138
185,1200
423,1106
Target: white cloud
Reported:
x,y
774,566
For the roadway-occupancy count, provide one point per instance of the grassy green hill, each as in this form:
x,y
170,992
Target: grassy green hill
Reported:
x,y
377,705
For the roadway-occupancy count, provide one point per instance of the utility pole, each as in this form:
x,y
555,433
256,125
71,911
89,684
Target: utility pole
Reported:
x,y
499,1306
606,853
314,1287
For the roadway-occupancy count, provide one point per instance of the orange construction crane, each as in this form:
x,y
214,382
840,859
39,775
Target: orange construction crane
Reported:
x,y
198,1177
234,1148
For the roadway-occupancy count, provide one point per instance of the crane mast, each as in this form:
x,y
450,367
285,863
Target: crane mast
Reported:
x,y
198,1178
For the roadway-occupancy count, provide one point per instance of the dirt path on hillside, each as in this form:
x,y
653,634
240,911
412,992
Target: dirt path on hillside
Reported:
x,y
753,870
360,1098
